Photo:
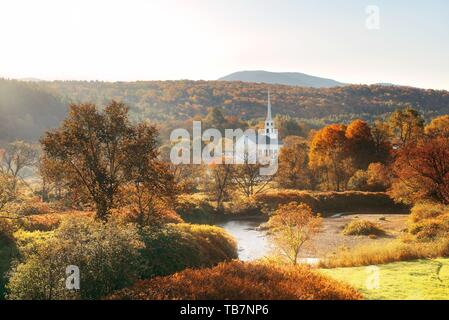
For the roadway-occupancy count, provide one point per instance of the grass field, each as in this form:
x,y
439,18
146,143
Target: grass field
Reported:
x,y
415,280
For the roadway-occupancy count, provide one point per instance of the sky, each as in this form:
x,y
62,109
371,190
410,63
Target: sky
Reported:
x,y
115,40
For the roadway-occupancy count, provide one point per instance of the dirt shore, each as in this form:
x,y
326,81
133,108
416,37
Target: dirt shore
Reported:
x,y
331,239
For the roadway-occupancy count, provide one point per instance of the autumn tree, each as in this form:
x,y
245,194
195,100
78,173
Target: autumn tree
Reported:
x,y
361,144
381,133
101,152
53,179
6,190
329,154
219,181
422,171
215,119
439,126
293,172
407,125
14,160
292,226
288,126
246,178
376,178
151,187
379,177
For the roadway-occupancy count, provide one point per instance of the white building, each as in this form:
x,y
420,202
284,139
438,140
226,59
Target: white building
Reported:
x,y
262,146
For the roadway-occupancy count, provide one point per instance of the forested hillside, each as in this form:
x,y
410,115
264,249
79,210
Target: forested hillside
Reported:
x,y
26,112
27,109
162,100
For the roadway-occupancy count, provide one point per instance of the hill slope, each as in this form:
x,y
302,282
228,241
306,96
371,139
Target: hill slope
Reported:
x,y
27,109
285,78
26,112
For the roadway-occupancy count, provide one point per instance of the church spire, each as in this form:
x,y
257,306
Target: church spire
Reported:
x,y
269,107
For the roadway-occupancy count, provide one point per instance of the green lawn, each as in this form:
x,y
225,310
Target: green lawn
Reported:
x,y
414,280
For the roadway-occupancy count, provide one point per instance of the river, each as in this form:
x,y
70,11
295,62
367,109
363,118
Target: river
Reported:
x,y
252,243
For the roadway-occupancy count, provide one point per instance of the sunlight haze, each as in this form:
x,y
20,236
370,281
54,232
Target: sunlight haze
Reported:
x,y
162,40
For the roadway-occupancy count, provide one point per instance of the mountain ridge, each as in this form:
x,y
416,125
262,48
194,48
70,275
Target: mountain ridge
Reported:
x,y
284,78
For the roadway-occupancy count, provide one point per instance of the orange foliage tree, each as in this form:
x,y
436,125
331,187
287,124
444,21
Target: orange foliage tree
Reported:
x,y
329,154
293,171
422,171
361,144
438,126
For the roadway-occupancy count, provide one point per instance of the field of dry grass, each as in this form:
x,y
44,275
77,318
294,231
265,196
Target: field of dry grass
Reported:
x,y
241,281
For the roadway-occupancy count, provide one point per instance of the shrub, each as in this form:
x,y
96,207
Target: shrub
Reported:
x,y
427,210
106,253
177,247
195,208
7,228
430,229
7,253
359,181
7,249
429,221
110,255
159,216
27,208
240,281
46,222
28,242
359,227
242,205
51,221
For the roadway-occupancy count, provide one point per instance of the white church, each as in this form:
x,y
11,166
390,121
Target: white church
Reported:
x,y
263,146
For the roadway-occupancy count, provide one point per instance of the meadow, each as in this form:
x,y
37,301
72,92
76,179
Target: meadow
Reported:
x,y
408,280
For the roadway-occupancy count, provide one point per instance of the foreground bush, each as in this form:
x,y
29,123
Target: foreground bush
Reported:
x,y
7,250
394,251
240,281
107,255
360,227
7,228
429,221
427,210
110,256
180,246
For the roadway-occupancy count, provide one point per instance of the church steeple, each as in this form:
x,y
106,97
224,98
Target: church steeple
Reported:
x,y
269,123
269,108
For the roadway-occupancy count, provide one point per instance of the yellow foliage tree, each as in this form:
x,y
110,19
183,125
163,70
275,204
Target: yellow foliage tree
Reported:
x,y
292,226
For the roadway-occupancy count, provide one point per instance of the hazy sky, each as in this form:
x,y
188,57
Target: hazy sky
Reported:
x,y
207,39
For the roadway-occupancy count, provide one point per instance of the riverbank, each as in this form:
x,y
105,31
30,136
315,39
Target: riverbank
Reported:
x,y
253,242
199,207
331,238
